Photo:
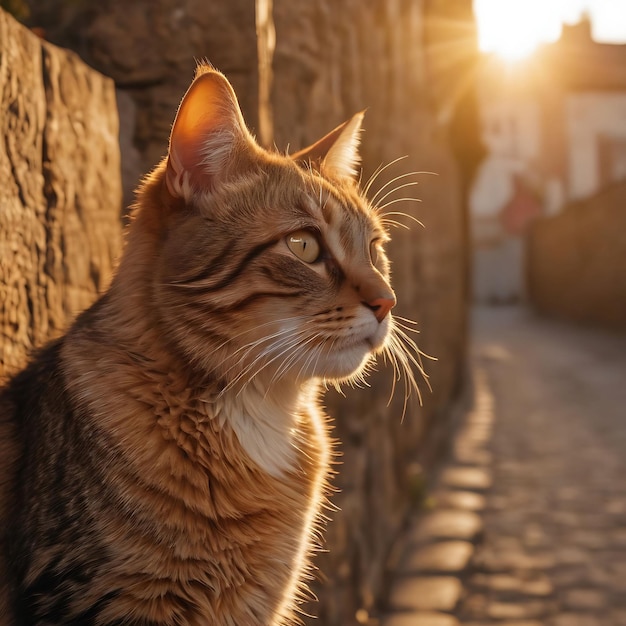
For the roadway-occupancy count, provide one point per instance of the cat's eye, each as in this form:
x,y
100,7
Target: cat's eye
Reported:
x,y
304,245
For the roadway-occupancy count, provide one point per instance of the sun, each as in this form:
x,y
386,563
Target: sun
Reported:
x,y
513,29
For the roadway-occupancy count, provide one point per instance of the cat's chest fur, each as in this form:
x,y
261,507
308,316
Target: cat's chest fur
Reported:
x,y
222,489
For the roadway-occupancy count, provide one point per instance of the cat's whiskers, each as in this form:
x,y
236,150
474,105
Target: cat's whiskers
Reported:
x,y
287,348
319,350
375,198
216,363
394,224
379,170
289,344
419,353
400,351
286,337
407,320
323,202
390,357
401,364
256,342
378,202
283,345
405,357
294,356
289,361
316,180
414,354
396,200
253,344
401,372
385,216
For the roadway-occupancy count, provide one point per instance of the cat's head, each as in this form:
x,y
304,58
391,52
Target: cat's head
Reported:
x,y
267,265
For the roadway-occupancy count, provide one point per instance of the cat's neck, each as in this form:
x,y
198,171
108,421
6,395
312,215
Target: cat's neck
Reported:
x,y
264,413
266,417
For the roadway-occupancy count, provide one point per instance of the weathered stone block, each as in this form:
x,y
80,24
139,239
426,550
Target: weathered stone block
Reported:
x,y
60,189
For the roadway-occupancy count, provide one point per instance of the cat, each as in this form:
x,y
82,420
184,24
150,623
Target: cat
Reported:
x,y
167,460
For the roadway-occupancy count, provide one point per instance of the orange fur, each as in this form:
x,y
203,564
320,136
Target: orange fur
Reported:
x,y
170,457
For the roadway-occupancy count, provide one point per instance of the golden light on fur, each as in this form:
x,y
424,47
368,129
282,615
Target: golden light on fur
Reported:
x,y
173,457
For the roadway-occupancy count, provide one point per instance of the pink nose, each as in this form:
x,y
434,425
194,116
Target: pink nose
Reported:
x,y
381,306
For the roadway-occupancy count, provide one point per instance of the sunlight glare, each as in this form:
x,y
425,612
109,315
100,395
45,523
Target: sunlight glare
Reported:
x,y
513,29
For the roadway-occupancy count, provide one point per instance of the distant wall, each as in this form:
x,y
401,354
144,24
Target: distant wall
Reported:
x,y
577,261
60,191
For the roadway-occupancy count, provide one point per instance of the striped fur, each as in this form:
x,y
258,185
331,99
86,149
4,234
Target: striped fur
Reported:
x,y
166,461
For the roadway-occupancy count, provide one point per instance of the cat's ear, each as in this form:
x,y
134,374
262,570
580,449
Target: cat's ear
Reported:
x,y
208,127
338,152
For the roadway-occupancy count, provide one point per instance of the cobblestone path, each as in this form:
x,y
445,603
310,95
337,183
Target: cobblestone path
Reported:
x,y
527,520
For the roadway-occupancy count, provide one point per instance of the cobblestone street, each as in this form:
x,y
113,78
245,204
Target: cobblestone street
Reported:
x,y
526,523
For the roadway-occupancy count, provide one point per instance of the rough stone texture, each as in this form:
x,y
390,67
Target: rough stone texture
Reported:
x,y
150,48
331,60
577,261
60,189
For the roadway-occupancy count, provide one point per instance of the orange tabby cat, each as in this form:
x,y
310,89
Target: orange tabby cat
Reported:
x,y
166,460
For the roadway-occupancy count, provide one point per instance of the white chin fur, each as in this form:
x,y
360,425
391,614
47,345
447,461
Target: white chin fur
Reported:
x,y
345,364
349,355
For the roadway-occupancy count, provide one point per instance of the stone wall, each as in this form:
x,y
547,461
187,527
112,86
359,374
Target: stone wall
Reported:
x,y
576,261
150,49
330,60
60,191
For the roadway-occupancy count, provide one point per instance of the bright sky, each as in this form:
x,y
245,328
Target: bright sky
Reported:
x,y
514,28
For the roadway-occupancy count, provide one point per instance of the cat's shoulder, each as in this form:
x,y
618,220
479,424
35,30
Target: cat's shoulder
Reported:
x,y
40,376
40,388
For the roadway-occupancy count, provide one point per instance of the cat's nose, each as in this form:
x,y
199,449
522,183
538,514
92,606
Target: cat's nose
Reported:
x,y
381,306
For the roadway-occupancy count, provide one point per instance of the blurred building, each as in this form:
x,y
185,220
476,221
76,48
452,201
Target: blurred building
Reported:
x,y
555,132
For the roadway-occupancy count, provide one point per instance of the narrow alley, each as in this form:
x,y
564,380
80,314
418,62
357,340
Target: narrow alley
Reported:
x,y
526,523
